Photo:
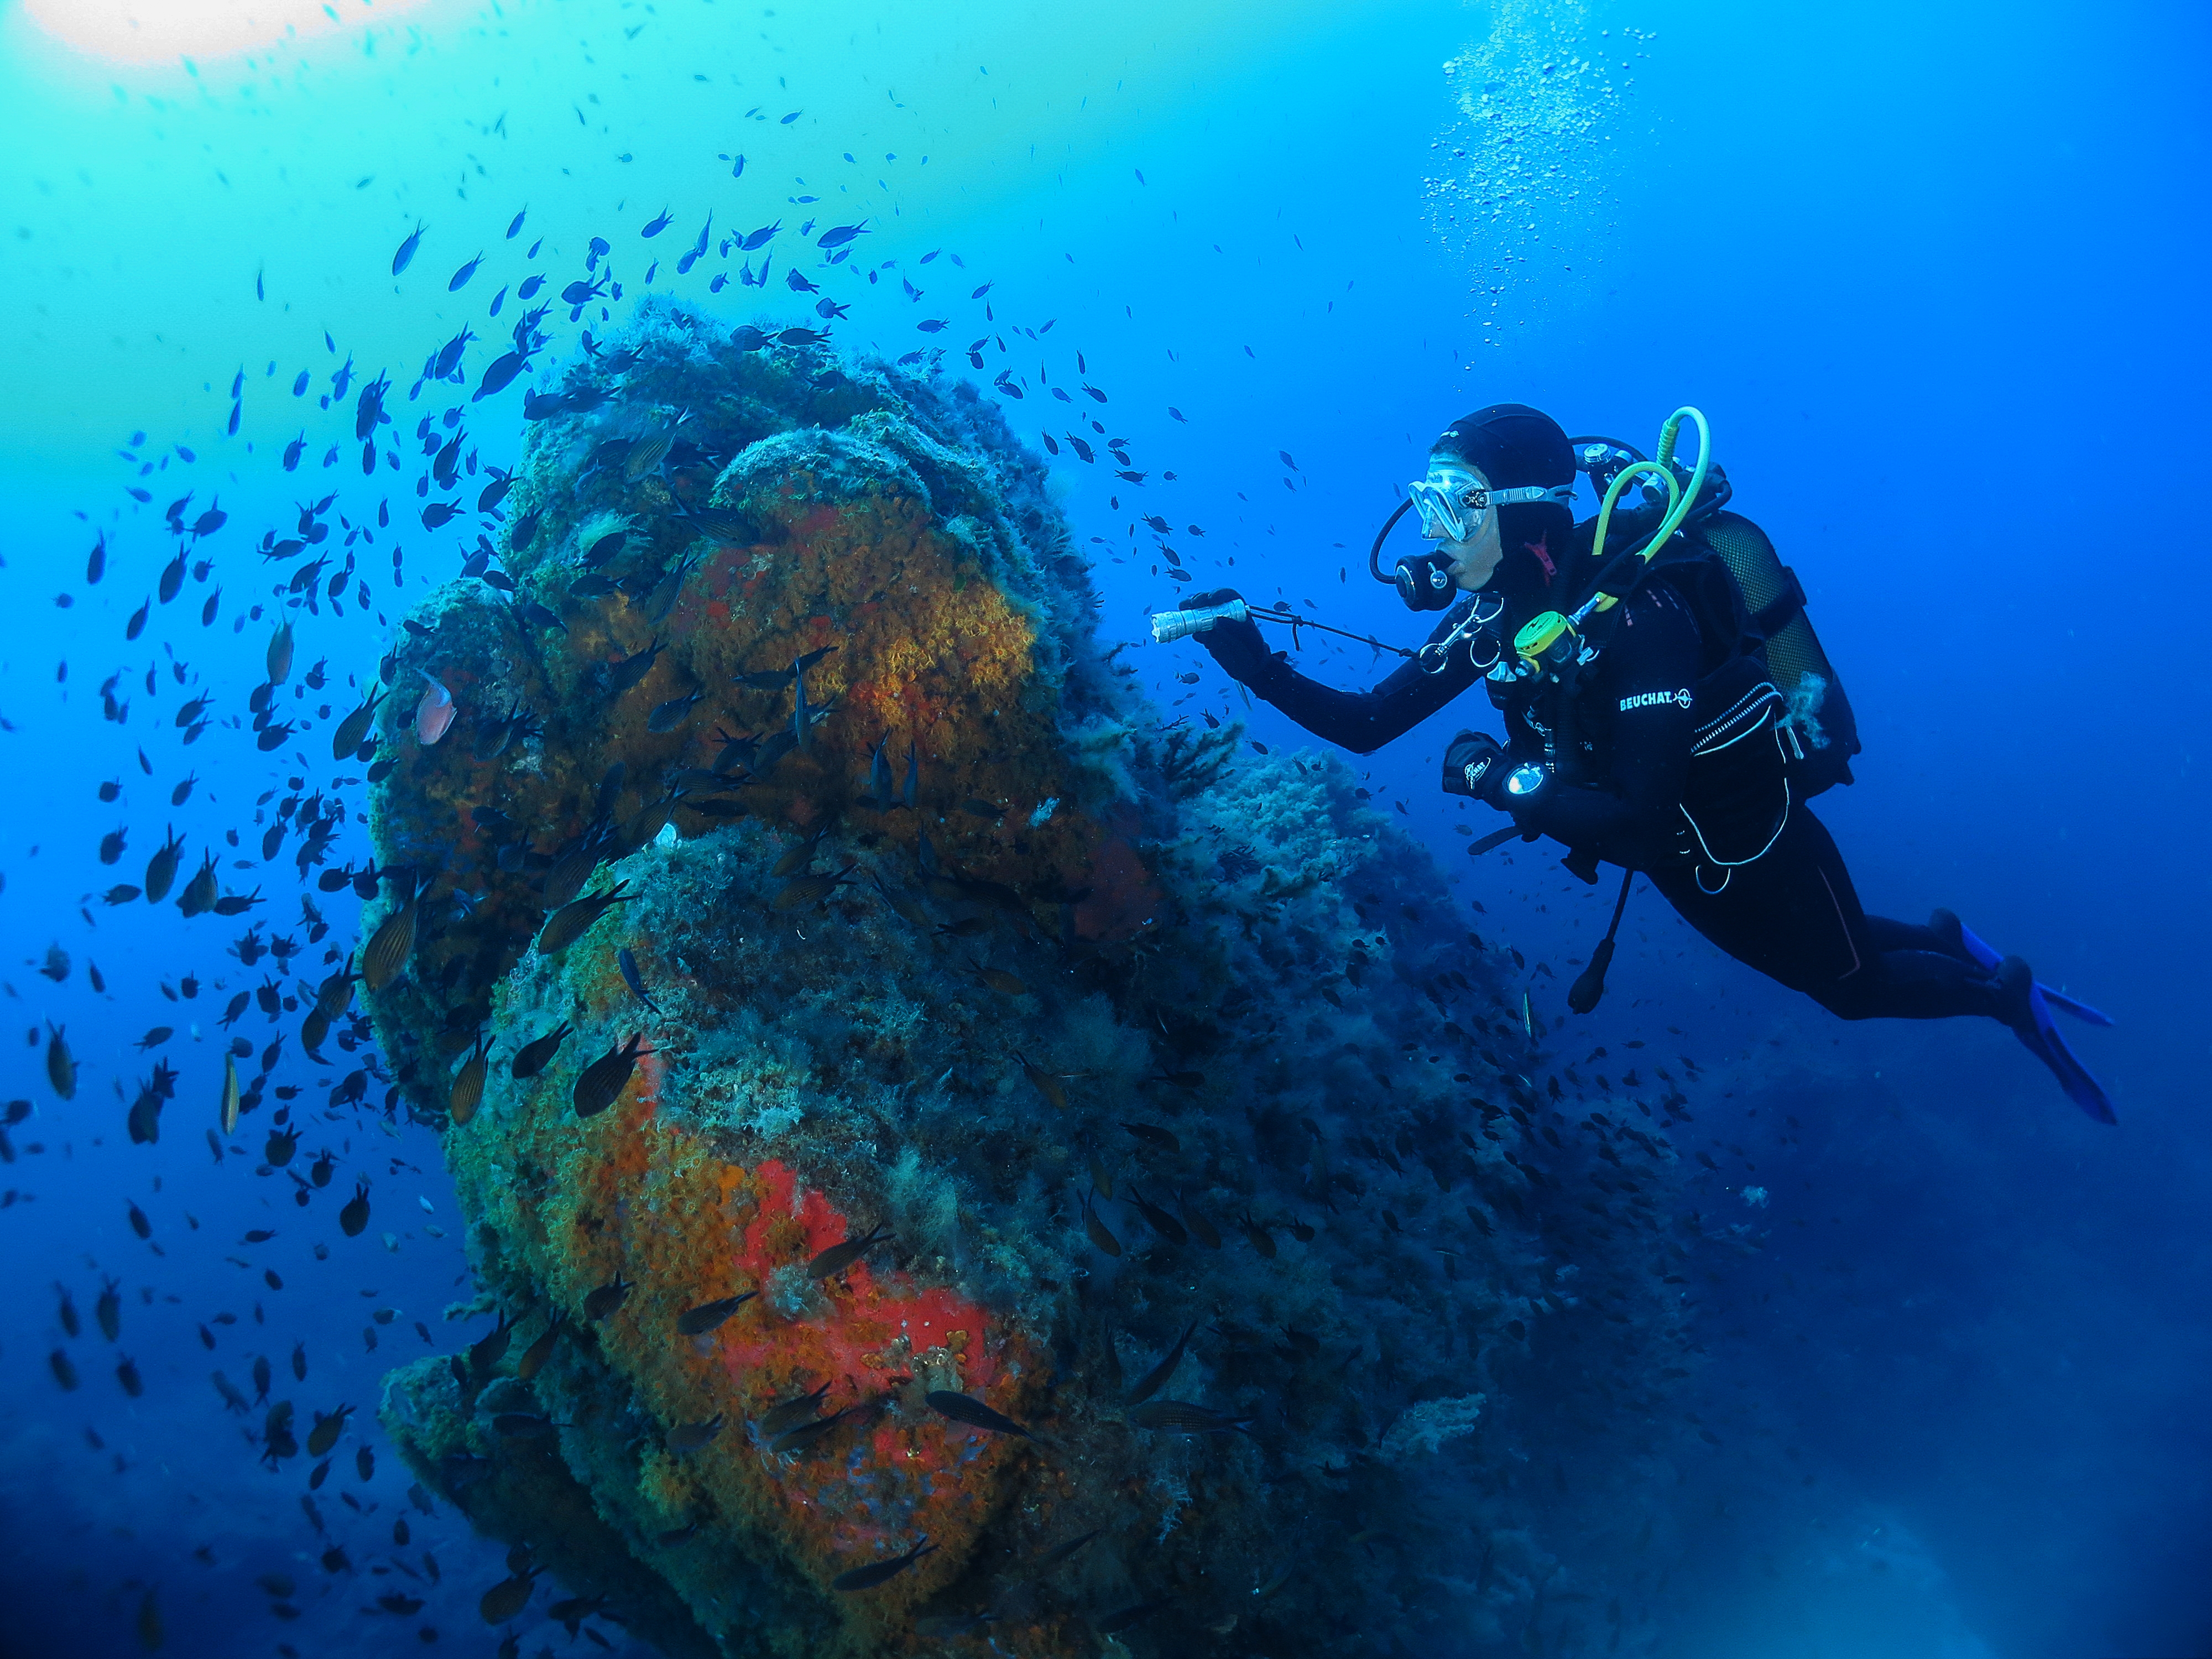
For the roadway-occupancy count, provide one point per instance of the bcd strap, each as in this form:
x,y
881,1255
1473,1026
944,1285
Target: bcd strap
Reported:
x,y
1783,608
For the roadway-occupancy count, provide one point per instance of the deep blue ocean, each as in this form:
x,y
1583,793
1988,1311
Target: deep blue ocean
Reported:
x,y
1934,273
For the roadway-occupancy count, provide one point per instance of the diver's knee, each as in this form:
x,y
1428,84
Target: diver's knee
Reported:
x,y
1845,999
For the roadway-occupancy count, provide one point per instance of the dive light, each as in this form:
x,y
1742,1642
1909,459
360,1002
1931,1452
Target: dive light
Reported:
x,y
1525,780
1182,624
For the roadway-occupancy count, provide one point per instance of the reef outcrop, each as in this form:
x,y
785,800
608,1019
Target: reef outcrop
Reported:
x,y
845,894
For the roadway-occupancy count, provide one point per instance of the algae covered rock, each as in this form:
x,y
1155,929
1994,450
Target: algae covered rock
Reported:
x,y
964,1119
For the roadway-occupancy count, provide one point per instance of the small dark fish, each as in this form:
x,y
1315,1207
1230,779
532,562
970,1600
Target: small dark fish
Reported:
x,y
161,868
622,675
797,858
508,1598
722,524
61,1064
353,730
697,1321
570,923
1097,1230
139,1225
126,1373
868,1578
601,1082
488,1350
107,1312
468,1089
64,1371
566,879
687,1438
879,796
201,891
667,716
1155,1379
605,548
1059,1553
1160,1221
1154,1134
66,1312
389,948
406,253
782,1416
535,1356
808,888
806,1435
278,658
354,1215
1114,1623
1181,1417
654,227
532,1057
325,1434
838,1257
962,1408
607,1297
646,453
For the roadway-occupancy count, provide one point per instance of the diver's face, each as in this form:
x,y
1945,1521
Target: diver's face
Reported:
x,y
1474,559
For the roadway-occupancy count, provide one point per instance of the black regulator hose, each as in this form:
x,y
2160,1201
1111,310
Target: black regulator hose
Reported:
x,y
1375,550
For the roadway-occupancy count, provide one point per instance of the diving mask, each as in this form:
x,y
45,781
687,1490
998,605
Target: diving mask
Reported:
x,y
1449,511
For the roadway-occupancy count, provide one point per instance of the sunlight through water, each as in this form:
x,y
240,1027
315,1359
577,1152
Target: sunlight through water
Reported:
x,y
157,30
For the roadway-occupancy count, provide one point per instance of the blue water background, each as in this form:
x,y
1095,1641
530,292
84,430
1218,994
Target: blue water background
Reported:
x,y
1935,274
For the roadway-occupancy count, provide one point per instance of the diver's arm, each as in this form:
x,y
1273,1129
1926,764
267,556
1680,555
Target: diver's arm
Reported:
x,y
1362,721
1654,657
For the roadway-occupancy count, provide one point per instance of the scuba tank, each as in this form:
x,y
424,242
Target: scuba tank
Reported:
x,y
1818,732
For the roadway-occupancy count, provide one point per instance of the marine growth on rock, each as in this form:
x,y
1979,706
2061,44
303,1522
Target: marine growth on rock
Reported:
x,y
845,999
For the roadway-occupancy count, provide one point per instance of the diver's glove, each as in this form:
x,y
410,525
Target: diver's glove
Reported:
x,y
1475,766
1236,646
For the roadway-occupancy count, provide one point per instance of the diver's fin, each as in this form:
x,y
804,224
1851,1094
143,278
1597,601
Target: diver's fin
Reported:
x,y
2033,1027
2066,1004
1945,925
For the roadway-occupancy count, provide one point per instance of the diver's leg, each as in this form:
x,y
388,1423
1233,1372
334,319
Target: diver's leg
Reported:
x,y
1794,916
1891,935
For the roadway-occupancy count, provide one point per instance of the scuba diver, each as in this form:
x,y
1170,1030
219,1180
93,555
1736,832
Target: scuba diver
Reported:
x,y
1667,708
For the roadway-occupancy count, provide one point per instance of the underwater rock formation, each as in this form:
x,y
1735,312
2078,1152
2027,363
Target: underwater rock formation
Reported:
x,y
843,893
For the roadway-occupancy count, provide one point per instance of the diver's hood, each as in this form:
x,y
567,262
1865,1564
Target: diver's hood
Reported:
x,y
1512,445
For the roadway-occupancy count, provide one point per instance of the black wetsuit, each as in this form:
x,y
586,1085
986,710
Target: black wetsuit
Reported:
x,y
1789,911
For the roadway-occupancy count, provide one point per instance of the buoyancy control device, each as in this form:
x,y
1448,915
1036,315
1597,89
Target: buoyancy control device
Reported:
x,y
1815,726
